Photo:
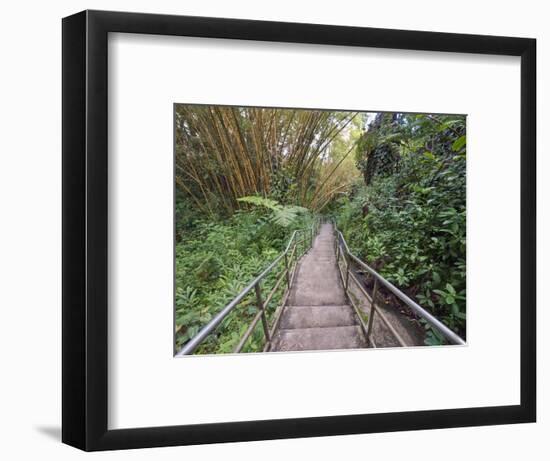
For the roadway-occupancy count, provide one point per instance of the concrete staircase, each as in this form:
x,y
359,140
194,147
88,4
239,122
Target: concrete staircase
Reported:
x,y
317,315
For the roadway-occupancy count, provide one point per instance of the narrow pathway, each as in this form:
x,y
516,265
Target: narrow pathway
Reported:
x,y
318,315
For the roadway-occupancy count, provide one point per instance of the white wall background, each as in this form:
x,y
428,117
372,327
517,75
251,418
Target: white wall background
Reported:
x,y
30,242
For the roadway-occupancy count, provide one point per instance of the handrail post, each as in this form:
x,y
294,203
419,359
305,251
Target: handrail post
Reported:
x,y
346,283
372,308
261,307
287,271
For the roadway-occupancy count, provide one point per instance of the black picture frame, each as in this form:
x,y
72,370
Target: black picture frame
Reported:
x,y
85,224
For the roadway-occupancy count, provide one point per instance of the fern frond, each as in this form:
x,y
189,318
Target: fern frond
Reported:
x,y
287,215
261,201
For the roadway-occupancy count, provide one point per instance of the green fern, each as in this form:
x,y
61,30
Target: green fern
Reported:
x,y
281,215
287,215
261,201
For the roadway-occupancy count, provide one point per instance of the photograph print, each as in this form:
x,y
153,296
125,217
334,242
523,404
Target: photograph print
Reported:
x,y
315,230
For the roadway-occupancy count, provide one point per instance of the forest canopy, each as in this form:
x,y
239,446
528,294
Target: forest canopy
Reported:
x,y
246,177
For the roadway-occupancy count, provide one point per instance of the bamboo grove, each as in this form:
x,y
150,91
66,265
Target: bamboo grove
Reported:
x,y
224,153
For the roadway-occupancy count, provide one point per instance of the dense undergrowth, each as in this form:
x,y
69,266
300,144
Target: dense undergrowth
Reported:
x,y
216,258
408,216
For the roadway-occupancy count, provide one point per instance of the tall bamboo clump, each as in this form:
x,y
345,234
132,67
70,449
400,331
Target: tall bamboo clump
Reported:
x,y
223,153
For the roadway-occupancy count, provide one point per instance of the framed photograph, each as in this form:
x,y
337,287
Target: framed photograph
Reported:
x,y
279,230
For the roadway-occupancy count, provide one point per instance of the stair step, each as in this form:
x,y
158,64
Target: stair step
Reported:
x,y
314,339
317,316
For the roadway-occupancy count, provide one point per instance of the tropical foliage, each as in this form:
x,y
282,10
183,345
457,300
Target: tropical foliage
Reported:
x,y
217,258
246,178
408,217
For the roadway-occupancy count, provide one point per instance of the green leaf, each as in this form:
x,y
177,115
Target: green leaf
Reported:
x,y
459,143
261,201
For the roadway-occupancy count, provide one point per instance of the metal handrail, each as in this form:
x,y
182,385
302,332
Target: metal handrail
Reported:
x,y
195,342
445,331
